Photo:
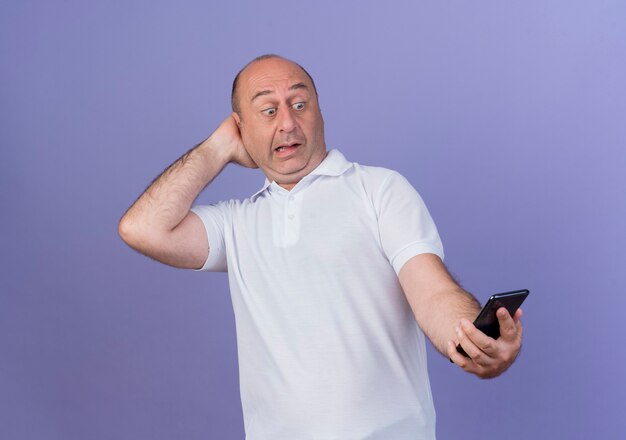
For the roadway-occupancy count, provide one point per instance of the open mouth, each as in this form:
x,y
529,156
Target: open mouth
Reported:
x,y
286,148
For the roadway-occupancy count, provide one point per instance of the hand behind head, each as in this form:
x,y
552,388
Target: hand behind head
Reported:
x,y
227,138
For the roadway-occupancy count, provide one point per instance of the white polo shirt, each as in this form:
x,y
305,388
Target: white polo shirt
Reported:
x,y
328,346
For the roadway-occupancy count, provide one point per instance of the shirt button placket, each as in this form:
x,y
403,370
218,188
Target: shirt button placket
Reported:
x,y
290,214
290,224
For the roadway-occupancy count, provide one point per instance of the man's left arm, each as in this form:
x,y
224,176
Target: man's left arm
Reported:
x,y
445,312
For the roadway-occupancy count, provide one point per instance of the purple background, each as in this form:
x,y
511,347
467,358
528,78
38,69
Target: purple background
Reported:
x,y
509,118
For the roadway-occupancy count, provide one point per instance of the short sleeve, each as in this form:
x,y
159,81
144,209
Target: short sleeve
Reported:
x,y
405,225
212,217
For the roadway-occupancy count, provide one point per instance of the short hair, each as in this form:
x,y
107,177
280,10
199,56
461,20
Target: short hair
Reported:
x,y
233,95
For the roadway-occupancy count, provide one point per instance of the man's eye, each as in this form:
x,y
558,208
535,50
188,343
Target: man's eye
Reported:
x,y
298,106
269,111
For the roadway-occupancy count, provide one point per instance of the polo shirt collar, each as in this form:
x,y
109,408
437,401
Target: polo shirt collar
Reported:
x,y
334,164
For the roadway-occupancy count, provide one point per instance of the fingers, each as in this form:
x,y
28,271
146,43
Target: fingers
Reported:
x,y
227,137
475,343
488,357
510,327
467,364
455,356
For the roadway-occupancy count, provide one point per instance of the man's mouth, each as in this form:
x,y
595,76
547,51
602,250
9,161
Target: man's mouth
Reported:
x,y
286,148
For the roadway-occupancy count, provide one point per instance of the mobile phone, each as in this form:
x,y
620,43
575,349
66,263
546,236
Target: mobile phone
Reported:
x,y
487,321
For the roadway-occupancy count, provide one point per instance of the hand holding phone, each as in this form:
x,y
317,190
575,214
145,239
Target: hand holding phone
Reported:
x,y
487,321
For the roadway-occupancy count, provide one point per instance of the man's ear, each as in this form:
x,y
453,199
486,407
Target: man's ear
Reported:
x,y
237,118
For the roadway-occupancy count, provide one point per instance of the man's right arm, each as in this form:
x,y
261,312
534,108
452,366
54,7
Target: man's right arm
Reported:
x,y
160,224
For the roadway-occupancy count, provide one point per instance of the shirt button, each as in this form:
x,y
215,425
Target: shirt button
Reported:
x,y
290,216
292,198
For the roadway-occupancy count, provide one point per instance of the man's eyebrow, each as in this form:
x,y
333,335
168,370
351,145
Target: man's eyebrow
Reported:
x,y
300,85
261,93
297,86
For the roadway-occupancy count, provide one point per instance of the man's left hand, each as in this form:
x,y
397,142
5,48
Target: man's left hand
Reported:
x,y
488,357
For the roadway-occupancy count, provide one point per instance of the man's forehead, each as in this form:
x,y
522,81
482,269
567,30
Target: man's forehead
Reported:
x,y
267,75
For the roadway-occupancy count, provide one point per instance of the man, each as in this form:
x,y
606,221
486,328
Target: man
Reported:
x,y
332,267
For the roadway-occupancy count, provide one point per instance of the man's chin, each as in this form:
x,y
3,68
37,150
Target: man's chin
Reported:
x,y
289,176
290,179
290,172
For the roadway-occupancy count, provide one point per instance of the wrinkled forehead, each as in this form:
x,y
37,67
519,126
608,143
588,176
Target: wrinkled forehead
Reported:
x,y
275,75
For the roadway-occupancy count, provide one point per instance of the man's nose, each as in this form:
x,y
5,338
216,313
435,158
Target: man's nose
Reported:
x,y
287,120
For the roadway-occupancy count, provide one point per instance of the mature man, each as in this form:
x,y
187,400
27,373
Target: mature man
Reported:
x,y
335,271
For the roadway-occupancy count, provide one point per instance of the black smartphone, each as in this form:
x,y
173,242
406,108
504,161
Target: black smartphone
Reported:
x,y
487,321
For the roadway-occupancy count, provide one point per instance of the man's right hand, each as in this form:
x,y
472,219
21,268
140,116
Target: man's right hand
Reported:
x,y
228,138
160,224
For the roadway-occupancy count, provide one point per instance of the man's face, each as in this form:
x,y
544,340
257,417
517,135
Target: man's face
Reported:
x,y
280,121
